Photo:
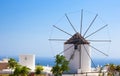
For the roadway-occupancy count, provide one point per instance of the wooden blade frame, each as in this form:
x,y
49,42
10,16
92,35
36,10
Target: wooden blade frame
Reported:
x,y
89,56
80,52
100,40
96,31
90,25
72,56
70,23
62,30
57,39
98,50
66,49
81,21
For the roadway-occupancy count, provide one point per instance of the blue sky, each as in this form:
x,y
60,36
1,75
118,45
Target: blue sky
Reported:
x,y
25,25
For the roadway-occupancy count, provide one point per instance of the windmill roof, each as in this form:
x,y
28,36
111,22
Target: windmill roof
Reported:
x,y
76,39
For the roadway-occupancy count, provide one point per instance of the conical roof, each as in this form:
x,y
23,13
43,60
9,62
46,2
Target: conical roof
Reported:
x,y
76,39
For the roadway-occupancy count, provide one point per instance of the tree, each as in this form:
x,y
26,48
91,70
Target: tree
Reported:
x,y
12,63
118,69
38,70
24,71
60,66
111,69
17,70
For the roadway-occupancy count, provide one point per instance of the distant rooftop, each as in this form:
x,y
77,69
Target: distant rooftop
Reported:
x,y
5,60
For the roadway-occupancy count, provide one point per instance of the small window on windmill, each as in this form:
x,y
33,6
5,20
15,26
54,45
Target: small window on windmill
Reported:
x,y
75,47
25,58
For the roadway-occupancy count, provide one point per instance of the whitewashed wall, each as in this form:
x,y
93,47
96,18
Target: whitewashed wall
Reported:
x,y
27,60
74,63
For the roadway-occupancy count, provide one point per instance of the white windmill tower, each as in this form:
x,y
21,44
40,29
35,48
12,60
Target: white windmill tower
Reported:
x,y
78,54
77,49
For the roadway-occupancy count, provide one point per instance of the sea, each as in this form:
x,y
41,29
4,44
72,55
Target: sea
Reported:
x,y
49,61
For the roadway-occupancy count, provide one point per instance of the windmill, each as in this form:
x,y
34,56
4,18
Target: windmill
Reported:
x,y
77,49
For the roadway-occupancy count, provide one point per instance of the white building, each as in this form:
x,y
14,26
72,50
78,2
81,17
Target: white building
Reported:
x,y
77,51
27,60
